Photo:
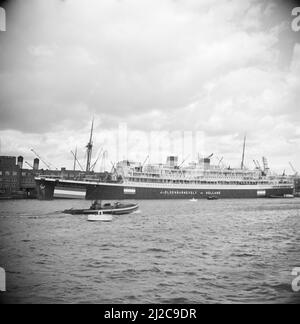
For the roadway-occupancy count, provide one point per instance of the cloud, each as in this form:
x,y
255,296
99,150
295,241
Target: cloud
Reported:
x,y
222,67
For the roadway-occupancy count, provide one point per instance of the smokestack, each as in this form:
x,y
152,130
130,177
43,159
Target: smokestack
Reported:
x,y
36,163
20,162
244,151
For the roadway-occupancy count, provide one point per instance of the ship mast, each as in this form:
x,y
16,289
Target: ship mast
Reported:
x,y
90,150
75,160
243,157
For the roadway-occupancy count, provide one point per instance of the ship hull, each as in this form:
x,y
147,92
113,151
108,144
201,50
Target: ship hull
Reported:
x,y
117,193
48,189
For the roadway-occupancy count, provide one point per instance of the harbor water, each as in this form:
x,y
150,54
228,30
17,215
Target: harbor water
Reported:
x,y
225,251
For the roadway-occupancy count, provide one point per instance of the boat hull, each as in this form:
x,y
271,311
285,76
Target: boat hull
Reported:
x,y
111,191
100,218
121,210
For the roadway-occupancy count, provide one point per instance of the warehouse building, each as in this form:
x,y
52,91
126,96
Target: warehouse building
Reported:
x,y
9,175
17,182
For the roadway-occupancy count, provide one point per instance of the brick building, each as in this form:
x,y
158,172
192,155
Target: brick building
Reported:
x,y
16,182
297,186
9,175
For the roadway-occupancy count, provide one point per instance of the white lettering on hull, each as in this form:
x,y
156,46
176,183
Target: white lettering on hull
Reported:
x,y
178,192
129,191
261,193
190,193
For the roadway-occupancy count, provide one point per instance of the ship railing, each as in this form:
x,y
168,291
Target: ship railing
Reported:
x,y
42,176
172,182
188,175
199,178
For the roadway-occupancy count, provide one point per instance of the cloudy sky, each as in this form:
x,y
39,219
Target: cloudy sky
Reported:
x,y
222,68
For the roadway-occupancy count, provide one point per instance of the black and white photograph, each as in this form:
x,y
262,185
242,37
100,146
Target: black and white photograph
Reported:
x,y
149,154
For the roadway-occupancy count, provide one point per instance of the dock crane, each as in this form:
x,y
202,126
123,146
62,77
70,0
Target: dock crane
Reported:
x,y
48,165
220,161
31,166
147,158
294,170
182,163
256,166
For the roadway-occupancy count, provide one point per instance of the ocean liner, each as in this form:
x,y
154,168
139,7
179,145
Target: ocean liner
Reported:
x,y
200,179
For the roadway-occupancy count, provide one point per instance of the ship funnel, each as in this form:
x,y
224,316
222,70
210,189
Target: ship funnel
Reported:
x,y
20,162
36,164
172,161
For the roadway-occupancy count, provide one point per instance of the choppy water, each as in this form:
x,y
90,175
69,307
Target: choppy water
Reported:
x,y
171,252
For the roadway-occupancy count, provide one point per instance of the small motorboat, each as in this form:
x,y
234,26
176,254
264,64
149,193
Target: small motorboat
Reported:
x,y
282,197
193,200
212,198
100,217
107,209
289,196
